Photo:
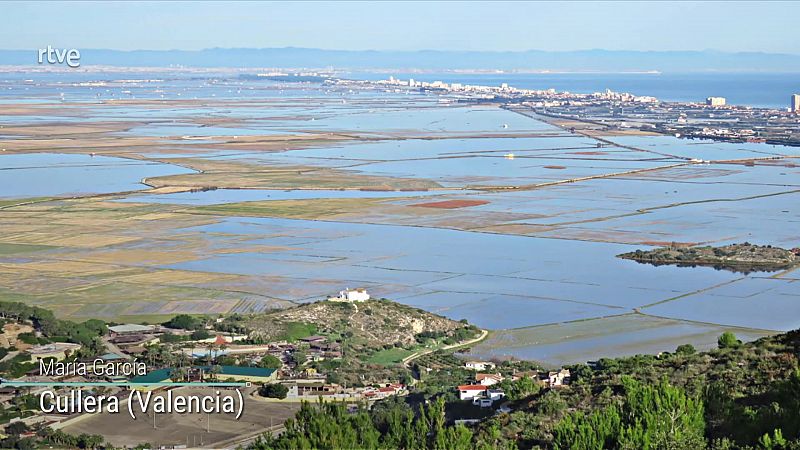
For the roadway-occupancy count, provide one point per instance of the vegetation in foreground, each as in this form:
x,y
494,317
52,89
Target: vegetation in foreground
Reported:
x,y
739,396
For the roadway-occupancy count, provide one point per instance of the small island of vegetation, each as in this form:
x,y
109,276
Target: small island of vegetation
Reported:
x,y
744,257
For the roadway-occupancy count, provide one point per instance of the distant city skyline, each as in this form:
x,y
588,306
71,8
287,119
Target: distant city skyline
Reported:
x,y
470,26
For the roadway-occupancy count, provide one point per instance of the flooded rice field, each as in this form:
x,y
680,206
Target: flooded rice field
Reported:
x,y
220,196
64,175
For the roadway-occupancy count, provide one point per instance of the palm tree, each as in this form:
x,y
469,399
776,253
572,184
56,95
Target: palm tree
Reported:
x,y
93,441
216,369
178,374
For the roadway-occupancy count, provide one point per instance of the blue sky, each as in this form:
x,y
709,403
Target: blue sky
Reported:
x,y
499,26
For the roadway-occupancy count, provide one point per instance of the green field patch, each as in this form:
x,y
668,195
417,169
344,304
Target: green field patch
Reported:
x,y
5,203
10,296
12,249
298,330
308,209
389,356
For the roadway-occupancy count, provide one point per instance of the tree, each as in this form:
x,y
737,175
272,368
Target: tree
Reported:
x,y
227,360
270,362
728,340
389,425
16,428
199,335
185,322
90,441
215,370
273,390
299,357
178,374
776,441
521,388
27,443
686,349
651,417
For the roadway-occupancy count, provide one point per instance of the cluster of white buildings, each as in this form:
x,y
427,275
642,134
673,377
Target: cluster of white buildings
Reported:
x,y
312,391
504,89
482,394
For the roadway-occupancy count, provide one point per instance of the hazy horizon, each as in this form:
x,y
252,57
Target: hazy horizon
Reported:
x,y
604,61
414,26
421,50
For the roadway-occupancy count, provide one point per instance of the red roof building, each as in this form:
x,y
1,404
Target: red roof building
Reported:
x,y
468,391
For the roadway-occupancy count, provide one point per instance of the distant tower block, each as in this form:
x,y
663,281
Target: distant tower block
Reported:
x,y
795,106
716,101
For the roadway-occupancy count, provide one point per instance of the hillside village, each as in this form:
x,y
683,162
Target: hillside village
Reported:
x,y
348,347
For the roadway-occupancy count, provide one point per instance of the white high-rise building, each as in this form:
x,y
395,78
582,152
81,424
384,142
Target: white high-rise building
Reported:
x,y
715,101
795,102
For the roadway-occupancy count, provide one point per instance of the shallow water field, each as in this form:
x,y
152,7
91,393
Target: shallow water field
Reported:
x,y
555,345
273,194
220,196
55,174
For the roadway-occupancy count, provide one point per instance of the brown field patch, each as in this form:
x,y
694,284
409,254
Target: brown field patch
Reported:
x,y
138,256
555,167
67,268
177,277
452,204
80,240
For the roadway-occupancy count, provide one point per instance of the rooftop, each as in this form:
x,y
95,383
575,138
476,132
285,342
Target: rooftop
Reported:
x,y
472,387
130,328
160,375
155,376
53,347
242,371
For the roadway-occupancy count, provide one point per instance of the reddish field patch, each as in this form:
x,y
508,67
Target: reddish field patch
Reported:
x,y
589,153
452,204
555,167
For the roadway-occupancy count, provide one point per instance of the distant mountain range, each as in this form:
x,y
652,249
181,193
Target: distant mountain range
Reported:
x,y
533,60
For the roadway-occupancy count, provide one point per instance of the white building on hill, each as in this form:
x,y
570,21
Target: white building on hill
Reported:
x,y
351,295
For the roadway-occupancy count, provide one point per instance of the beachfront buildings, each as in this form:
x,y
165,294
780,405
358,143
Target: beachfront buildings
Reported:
x,y
716,101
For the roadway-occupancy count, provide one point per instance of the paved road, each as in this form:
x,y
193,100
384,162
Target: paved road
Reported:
x,y
407,360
